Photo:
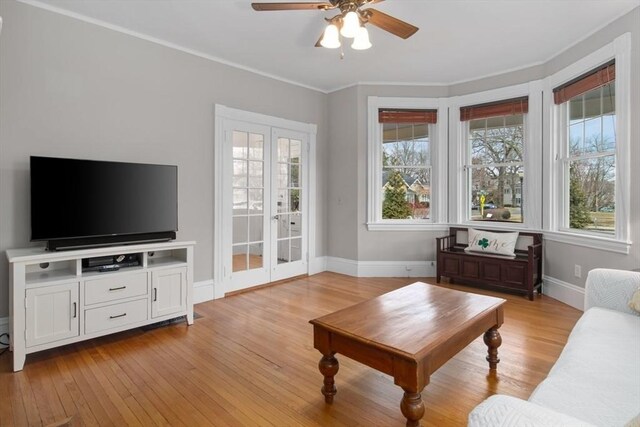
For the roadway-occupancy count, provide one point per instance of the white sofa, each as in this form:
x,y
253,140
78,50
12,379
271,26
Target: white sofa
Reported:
x,y
596,380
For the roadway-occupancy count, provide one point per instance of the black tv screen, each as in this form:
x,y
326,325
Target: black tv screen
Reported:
x,y
76,199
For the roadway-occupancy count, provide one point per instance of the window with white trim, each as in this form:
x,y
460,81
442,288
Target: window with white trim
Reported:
x,y
495,159
588,151
402,164
406,163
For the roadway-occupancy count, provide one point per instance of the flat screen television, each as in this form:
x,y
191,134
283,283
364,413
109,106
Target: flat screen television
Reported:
x,y
84,203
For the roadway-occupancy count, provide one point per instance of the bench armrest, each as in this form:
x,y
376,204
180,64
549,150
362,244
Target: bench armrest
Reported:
x,y
507,411
445,242
611,289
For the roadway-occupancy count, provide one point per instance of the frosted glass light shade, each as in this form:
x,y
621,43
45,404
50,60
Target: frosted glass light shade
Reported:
x,y
350,25
330,38
361,41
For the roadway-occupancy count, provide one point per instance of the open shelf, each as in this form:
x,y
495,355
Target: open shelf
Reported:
x,y
47,272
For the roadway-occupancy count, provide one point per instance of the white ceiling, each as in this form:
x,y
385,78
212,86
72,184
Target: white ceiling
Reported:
x,y
458,40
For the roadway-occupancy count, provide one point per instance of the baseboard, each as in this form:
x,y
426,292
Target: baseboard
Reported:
x,y
381,268
342,266
564,292
203,291
317,265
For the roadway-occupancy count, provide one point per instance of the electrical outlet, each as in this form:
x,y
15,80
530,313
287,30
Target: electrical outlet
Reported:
x,y
577,271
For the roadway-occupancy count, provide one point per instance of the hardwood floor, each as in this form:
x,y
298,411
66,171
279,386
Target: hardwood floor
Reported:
x,y
249,361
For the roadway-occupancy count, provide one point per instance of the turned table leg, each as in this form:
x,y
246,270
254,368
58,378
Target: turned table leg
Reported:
x,y
412,408
329,368
493,340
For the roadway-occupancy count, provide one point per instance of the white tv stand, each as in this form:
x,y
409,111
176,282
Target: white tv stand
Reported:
x,y
54,301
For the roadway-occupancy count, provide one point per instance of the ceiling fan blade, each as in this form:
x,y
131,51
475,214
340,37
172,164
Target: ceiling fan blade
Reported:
x,y
389,23
320,5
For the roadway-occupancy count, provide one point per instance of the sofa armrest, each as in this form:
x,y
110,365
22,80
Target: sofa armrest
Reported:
x,y
611,289
507,411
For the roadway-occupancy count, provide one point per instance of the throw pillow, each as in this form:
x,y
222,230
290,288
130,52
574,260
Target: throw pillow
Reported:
x,y
492,243
634,303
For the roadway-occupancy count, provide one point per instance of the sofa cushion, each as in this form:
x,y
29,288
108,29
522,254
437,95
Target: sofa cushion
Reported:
x,y
597,377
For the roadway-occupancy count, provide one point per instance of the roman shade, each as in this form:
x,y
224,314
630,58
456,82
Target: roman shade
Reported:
x,y
507,107
600,76
407,116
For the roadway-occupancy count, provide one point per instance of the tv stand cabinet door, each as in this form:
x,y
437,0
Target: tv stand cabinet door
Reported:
x,y
169,291
52,313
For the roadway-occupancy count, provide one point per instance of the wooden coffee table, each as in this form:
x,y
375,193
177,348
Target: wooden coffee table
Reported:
x,y
407,333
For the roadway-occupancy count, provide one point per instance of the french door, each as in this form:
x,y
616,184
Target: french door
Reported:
x,y
264,212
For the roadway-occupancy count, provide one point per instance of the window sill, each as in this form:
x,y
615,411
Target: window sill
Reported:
x,y
405,226
589,241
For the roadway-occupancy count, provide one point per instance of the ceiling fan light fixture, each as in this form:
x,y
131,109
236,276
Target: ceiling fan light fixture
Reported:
x,y
350,25
331,37
361,40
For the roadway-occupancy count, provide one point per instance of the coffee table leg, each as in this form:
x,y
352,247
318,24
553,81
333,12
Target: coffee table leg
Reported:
x,y
493,340
329,368
412,407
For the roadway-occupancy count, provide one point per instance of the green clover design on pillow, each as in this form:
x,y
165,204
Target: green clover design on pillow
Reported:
x,y
484,243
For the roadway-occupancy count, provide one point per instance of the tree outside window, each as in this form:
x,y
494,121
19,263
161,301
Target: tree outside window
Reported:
x,y
496,171
591,160
406,171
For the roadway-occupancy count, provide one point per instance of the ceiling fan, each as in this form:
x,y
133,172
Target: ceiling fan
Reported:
x,y
350,22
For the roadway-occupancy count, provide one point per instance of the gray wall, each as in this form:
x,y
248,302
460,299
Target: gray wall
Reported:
x,y
74,89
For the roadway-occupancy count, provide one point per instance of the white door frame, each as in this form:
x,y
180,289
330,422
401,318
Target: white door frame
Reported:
x,y
223,113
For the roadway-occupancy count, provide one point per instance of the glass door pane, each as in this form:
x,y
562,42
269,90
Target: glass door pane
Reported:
x,y
248,201
289,191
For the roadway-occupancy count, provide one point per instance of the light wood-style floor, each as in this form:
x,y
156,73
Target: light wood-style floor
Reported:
x,y
249,361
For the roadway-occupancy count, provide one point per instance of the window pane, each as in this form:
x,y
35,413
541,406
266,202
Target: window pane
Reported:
x,y
240,229
255,256
501,143
239,173
256,146
239,201
575,109
608,132
496,193
593,103
240,145
406,196
592,194
239,258
406,171
596,133
608,98
256,225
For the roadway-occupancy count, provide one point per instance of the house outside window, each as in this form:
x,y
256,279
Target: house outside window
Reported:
x,y
404,181
495,159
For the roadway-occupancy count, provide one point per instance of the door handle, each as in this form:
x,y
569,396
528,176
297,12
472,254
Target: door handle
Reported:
x,y
275,217
75,310
155,294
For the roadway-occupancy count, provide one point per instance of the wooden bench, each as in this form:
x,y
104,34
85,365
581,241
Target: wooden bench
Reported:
x,y
522,274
